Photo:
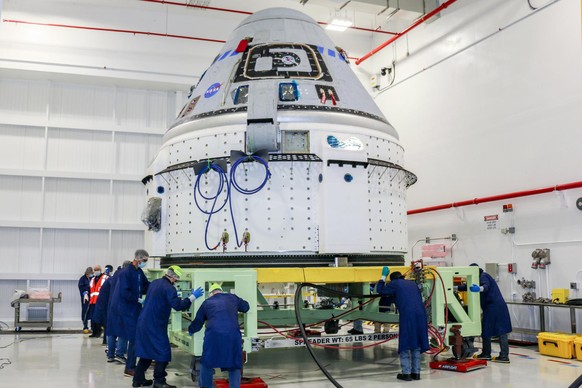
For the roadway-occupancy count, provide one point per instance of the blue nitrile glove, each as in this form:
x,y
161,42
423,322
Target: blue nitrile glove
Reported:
x,y
385,272
196,293
475,288
190,333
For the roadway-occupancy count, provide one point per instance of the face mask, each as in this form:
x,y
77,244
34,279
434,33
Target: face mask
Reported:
x,y
92,276
97,273
143,264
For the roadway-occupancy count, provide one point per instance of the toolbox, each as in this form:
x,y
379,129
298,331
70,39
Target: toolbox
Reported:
x,y
560,295
556,344
578,347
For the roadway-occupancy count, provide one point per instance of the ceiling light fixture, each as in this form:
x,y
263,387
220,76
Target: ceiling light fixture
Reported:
x,y
338,24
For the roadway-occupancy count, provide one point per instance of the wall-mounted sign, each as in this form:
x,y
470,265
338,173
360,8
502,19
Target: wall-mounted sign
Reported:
x,y
491,222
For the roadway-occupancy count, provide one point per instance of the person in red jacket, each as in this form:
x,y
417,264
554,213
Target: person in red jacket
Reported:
x,y
95,286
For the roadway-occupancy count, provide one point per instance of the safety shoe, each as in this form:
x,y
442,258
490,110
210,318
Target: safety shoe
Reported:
x,y
121,359
402,376
415,376
145,383
354,331
482,357
110,359
129,372
164,385
85,331
502,359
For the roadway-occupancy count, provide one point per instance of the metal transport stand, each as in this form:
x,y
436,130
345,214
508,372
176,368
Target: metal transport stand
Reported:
x,y
551,305
18,324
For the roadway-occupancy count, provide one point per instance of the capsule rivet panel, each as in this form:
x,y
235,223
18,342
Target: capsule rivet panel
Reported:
x,y
284,216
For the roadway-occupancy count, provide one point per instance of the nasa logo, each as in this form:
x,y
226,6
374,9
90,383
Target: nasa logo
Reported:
x,y
212,90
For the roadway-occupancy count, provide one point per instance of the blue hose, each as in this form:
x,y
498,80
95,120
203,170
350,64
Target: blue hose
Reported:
x,y
214,198
235,184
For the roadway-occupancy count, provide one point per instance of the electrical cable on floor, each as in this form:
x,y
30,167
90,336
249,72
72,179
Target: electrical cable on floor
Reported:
x,y
304,336
7,346
577,383
302,328
4,362
18,340
531,6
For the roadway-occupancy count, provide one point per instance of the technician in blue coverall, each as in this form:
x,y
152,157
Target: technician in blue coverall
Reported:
x,y
126,305
413,325
495,321
152,342
116,346
222,339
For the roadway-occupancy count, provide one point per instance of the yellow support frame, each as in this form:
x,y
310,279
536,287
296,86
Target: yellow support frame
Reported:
x,y
328,275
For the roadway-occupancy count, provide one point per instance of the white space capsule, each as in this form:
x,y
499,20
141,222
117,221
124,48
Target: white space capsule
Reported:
x,y
279,155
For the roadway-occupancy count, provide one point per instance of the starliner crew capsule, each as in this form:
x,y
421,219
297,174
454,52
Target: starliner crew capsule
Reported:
x,y
280,157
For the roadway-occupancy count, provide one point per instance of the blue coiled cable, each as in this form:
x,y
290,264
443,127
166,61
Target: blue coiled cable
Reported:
x,y
214,198
242,190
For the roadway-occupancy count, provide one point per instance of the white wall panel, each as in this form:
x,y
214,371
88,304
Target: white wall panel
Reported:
x,y
81,104
75,200
70,251
129,201
69,310
19,250
124,245
21,147
135,151
509,120
79,151
141,109
23,98
20,198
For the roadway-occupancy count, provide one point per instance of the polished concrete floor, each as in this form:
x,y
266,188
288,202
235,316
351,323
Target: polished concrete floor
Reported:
x,y
75,360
